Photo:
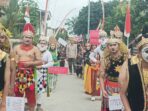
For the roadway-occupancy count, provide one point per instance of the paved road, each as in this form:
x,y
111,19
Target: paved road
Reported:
x,y
69,96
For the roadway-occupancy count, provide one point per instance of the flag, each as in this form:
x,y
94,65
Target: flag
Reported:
x,y
94,37
127,29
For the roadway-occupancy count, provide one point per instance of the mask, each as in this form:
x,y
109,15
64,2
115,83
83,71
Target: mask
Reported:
x,y
144,53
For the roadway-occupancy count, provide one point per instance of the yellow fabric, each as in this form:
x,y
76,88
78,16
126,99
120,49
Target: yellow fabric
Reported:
x,y
134,60
85,72
145,76
87,80
1,94
2,54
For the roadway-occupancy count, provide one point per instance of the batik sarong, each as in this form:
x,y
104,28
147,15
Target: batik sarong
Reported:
x,y
111,88
41,80
25,84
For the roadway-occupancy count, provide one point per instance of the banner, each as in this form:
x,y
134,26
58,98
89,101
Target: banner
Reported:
x,y
94,34
115,103
94,41
94,37
57,70
62,41
15,104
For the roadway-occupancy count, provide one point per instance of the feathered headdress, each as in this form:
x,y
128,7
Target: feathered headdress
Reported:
x,y
28,30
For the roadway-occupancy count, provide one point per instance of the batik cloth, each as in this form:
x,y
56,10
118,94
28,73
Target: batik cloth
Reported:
x,y
41,80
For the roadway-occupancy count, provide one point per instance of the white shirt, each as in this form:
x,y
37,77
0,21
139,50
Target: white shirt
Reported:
x,y
47,57
98,50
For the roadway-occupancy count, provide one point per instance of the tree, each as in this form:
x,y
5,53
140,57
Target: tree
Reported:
x,y
80,26
62,34
13,17
9,17
70,24
114,15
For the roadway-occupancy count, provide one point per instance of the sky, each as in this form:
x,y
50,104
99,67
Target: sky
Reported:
x,y
60,8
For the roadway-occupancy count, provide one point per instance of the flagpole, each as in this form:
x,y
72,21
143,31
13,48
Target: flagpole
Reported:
x,y
103,11
127,23
128,3
88,24
127,42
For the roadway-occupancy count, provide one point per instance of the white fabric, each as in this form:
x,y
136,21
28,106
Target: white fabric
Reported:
x,y
93,54
47,57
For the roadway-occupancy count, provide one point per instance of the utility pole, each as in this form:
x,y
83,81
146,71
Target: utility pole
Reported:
x,y
88,24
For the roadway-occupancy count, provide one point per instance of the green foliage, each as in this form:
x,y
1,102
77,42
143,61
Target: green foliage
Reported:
x,y
62,34
13,18
70,23
10,16
80,27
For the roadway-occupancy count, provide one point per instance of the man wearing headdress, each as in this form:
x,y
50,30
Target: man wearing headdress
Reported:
x,y
71,54
27,57
134,77
53,50
54,53
86,68
4,67
42,81
113,57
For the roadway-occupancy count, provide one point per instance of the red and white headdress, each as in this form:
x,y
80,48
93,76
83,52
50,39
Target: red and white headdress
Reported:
x,y
28,30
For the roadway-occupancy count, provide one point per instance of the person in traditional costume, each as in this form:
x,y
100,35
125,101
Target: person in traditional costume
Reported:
x,y
27,58
133,78
54,53
98,51
113,58
5,74
94,68
86,68
53,50
42,77
71,54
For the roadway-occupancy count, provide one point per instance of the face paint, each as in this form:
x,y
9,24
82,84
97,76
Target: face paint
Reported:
x,y
113,47
144,53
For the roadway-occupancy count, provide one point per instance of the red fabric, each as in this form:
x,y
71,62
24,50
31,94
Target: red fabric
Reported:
x,y
30,95
94,37
112,84
29,27
128,20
